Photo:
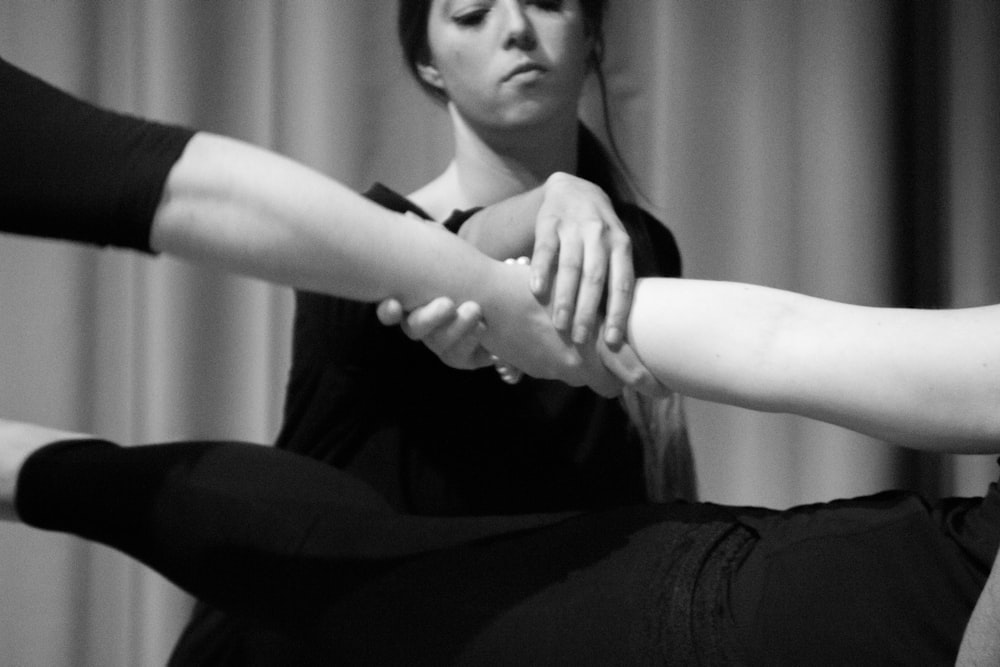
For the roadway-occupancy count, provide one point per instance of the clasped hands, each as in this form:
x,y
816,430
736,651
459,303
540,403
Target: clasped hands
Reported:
x,y
547,319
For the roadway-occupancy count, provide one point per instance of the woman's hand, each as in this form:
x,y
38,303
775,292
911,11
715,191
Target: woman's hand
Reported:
x,y
581,248
517,329
625,364
453,333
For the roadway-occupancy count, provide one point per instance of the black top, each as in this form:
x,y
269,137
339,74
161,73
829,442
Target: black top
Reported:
x,y
70,170
435,440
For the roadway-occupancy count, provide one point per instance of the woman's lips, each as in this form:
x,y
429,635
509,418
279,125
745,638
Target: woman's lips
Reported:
x,y
525,71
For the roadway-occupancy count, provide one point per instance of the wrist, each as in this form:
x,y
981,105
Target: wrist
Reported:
x,y
491,289
506,228
509,373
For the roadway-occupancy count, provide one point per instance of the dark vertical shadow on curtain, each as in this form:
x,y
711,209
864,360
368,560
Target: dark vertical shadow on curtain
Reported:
x,y
91,83
920,260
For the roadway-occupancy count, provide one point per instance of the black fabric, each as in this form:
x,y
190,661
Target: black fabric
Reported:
x,y
886,579
72,171
435,440
320,570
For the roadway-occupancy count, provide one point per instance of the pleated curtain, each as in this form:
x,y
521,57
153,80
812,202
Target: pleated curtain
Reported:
x,y
848,149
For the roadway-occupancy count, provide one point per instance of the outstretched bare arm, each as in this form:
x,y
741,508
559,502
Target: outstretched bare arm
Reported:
x,y
923,378
250,211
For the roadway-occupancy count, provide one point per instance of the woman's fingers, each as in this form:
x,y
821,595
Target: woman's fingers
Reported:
x,y
459,342
620,286
624,363
582,253
390,312
430,321
590,288
567,281
520,332
452,333
544,254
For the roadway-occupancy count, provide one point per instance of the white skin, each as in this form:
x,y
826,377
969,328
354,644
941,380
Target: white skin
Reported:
x,y
513,72
928,379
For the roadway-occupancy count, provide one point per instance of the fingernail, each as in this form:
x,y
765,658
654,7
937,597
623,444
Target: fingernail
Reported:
x,y
536,283
561,320
613,336
580,335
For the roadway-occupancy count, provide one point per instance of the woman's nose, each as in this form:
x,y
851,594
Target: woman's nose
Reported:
x,y
520,32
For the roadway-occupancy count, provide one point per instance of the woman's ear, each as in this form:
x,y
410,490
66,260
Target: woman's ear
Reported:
x,y
430,75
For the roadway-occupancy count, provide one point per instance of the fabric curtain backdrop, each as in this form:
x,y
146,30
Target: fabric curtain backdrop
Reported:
x,y
845,149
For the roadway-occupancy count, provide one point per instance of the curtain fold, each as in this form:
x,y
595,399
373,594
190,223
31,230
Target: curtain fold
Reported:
x,y
848,150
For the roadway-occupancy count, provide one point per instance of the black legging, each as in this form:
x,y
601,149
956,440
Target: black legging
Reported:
x,y
321,563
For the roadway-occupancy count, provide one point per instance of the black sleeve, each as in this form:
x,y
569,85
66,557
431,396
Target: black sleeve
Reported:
x,y
458,218
394,201
69,170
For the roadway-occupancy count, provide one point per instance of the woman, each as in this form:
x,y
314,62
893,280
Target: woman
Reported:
x,y
439,441
434,440
333,574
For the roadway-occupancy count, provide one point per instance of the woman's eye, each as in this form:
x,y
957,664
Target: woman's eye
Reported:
x,y
470,18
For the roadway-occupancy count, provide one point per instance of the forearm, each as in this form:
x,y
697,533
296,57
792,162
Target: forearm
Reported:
x,y
709,340
580,252
981,642
507,228
244,209
923,378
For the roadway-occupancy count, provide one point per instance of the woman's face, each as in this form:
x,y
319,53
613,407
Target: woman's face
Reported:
x,y
508,63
